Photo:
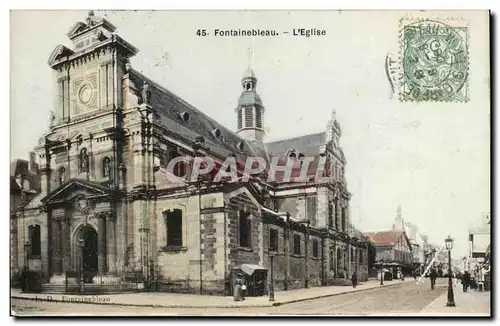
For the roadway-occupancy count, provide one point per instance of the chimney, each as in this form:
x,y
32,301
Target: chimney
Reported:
x,y
32,163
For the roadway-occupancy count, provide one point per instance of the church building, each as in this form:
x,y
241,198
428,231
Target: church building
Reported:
x,y
107,206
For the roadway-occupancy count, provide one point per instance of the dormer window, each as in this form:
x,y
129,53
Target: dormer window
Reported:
x,y
240,146
184,116
216,133
292,153
200,140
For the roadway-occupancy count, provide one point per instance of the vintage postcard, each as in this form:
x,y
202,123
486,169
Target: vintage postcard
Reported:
x,y
250,163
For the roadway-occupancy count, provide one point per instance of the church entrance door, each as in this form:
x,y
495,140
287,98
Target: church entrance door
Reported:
x,y
89,253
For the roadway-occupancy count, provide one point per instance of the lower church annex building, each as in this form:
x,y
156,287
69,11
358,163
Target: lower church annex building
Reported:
x,y
107,206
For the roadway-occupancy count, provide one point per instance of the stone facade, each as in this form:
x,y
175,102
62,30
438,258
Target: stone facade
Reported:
x,y
105,194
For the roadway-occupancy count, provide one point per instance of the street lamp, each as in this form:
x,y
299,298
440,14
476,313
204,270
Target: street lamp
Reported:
x,y
382,272
271,283
451,299
81,244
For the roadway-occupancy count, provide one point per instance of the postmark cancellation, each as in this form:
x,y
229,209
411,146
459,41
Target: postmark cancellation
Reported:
x,y
434,60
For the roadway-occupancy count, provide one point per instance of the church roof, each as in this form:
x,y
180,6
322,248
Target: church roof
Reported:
x,y
21,167
169,107
18,166
307,145
249,98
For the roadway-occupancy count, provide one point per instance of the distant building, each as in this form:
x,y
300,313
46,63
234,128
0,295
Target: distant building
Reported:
x,y
480,239
478,262
24,185
415,238
393,248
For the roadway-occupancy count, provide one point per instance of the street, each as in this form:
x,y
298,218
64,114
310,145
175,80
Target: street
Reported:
x,y
403,298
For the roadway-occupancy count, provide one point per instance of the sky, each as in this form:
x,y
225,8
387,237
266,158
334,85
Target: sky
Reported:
x,y
432,158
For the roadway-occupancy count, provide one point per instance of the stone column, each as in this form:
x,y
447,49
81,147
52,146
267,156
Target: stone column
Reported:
x,y
101,244
111,243
65,244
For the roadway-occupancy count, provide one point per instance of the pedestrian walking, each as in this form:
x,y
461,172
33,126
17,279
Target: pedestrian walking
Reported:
x,y
354,280
237,291
465,281
433,276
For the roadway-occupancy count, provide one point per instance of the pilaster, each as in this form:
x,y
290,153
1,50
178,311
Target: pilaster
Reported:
x,y
101,243
111,243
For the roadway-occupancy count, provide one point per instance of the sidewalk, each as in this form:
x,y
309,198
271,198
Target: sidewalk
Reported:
x,y
176,300
470,303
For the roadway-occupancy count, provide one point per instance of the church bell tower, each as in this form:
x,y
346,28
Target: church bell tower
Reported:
x,y
250,110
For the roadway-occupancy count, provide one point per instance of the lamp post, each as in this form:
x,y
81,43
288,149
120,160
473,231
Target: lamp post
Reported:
x,y
451,299
382,272
271,283
81,244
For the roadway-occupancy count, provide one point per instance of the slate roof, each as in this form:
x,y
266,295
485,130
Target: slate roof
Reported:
x,y
17,166
20,167
169,106
307,145
249,98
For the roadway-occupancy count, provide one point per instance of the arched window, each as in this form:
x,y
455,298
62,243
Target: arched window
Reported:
x,y
35,240
339,259
84,161
179,169
173,221
106,167
245,230
360,253
315,248
61,175
296,244
273,240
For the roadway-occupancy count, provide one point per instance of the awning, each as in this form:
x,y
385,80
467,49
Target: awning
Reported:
x,y
249,269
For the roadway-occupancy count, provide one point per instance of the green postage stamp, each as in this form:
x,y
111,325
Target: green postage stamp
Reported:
x,y
435,60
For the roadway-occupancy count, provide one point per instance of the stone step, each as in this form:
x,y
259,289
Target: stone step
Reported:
x,y
90,288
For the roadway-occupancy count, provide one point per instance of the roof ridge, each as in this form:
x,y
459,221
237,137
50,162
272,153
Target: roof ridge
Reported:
x,y
177,97
297,137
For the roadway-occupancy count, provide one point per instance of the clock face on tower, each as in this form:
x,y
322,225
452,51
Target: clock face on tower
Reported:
x,y
86,93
